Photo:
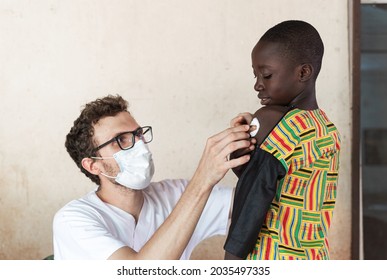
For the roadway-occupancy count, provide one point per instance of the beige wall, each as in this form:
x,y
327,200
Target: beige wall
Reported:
x,y
183,65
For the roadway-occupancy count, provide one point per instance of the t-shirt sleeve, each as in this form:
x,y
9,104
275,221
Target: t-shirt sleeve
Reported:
x,y
217,211
255,192
82,235
283,140
214,219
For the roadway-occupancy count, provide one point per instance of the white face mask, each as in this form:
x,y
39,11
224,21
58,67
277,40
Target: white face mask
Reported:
x,y
136,166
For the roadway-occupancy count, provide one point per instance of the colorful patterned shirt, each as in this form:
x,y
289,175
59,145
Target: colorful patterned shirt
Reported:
x,y
295,223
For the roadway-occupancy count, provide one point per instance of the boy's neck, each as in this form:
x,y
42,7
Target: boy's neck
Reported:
x,y
306,100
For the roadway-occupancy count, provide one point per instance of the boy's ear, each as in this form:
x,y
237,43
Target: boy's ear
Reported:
x,y
90,165
306,72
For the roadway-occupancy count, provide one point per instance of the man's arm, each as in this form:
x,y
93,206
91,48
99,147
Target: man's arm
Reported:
x,y
170,240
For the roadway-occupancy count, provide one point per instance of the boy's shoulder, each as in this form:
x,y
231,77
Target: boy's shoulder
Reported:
x,y
267,118
272,112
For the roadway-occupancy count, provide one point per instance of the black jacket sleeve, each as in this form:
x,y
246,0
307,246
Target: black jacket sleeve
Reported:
x,y
255,190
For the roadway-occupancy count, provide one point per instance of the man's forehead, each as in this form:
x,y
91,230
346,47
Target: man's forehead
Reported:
x,y
110,126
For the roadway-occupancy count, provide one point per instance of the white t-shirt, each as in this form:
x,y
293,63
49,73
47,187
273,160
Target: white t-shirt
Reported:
x,y
88,228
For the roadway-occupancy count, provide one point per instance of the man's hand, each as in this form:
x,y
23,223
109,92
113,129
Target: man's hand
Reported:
x,y
215,161
242,119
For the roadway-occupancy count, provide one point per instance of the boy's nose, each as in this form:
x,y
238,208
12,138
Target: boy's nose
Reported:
x,y
258,85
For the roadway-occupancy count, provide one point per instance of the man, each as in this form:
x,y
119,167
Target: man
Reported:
x,y
128,217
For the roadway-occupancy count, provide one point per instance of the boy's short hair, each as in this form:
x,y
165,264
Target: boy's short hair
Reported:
x,y
79,141
300,40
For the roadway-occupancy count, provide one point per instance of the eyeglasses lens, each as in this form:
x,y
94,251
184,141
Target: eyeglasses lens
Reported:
x,y
126,140
147,135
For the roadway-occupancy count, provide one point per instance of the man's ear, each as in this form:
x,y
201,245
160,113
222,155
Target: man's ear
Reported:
x,y
91,166
306,72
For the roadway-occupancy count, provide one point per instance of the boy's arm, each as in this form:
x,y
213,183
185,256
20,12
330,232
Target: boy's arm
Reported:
x,y
263,120
268,117
256,188
255,192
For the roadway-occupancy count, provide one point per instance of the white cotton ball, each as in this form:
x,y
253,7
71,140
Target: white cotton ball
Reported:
x,y
256,123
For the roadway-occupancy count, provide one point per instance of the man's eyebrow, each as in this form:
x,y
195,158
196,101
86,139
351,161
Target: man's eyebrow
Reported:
x,y
112,137
118,133
124,131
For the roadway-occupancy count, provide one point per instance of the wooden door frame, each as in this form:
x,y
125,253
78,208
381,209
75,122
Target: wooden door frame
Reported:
x,y
356,216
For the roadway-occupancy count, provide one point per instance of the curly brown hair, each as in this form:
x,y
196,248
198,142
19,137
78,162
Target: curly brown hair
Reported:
x,y
79,141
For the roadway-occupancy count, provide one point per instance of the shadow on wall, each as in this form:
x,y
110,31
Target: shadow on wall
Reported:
x,y
210,249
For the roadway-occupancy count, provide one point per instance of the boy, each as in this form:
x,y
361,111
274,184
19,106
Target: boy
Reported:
x,y
285,195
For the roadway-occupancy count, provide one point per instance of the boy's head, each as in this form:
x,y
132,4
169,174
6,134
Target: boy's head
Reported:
x,y
299,41
286,62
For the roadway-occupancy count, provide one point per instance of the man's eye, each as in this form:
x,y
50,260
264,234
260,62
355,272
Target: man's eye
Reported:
x,y
267,76
140,132
123,139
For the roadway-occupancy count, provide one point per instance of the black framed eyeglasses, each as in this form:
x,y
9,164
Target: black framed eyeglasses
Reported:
x,y
126,140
